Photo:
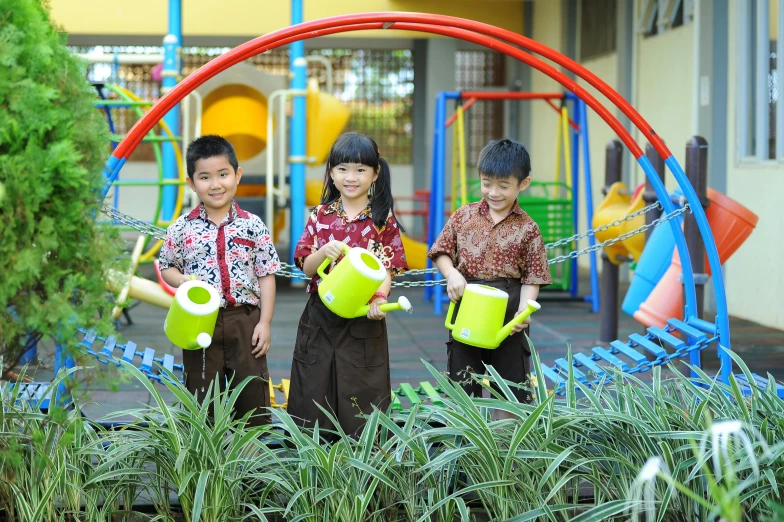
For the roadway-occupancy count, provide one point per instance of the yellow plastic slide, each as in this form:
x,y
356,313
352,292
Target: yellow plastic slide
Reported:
x,y
416,253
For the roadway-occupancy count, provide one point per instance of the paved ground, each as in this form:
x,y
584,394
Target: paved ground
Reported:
x,y
412,338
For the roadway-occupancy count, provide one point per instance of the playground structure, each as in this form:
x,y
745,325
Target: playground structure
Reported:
x,y
655,293
553,205
679,338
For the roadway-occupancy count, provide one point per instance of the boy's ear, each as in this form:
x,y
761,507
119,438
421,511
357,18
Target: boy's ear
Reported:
x,y
239,174
525,183
189,180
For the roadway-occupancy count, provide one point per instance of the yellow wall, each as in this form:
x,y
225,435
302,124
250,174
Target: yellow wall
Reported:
x,y
599,135
244,18
755,278
544,120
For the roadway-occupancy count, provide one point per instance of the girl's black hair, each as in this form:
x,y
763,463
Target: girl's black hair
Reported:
x,y
353,147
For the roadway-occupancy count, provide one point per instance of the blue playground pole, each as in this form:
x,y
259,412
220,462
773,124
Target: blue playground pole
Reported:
x,y
62,361
298,151
172,44
575,282
437,194
30,352
722,312
595,303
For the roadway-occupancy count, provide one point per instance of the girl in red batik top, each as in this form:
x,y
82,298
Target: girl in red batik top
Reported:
x,y
343,364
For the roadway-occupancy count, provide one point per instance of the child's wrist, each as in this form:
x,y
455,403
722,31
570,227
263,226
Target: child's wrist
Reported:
x,y
378,295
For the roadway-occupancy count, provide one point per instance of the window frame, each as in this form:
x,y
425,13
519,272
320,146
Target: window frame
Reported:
x,y
758,153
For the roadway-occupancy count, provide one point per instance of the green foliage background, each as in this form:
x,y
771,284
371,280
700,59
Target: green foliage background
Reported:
x,y
52,147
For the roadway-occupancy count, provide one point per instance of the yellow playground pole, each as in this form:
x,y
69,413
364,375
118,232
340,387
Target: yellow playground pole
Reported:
x,y
454,167
461,138
567,148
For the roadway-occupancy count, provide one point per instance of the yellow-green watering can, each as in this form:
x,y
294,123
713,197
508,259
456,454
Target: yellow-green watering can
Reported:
x,y
190,322
348,287
480,321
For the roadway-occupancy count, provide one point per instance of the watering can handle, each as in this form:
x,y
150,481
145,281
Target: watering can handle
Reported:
x,y
450,325
327,261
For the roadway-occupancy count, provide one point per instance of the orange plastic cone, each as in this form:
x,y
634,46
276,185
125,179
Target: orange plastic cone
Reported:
x,y
732,224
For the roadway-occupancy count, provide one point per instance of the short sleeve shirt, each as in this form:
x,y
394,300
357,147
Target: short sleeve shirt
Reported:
x,y
329,222
230,256
482,249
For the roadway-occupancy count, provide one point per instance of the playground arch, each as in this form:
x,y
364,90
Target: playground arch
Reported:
x,y
513,45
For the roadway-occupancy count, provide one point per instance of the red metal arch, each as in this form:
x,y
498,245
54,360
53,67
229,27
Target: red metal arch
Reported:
x,y
468,30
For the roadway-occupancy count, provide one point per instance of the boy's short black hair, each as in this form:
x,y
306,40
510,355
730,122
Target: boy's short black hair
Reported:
x,y
209,146
504,158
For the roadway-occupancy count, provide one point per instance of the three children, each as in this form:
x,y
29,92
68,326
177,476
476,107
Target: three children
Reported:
x,y
342,365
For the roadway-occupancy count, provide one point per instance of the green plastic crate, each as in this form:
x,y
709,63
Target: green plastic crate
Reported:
x,y
549,203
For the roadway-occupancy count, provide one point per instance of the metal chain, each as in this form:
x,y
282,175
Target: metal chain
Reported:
x,y
291,271
602,228
145,228
627,235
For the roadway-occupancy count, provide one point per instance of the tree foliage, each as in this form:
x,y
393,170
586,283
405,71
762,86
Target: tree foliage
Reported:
x,y
52,147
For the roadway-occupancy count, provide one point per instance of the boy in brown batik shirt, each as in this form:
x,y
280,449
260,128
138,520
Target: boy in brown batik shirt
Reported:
x,y
495,243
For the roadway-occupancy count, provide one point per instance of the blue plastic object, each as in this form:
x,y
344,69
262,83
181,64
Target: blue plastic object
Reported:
x,y
653,263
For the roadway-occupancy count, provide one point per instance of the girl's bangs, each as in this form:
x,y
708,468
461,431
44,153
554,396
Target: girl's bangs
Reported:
x,y
355,149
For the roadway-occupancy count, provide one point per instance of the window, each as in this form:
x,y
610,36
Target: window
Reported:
x,y
759,115
598,23
478,71
658,16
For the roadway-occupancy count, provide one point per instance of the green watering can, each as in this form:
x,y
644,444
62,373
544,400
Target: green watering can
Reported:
x,y
480,321
190,322
348,287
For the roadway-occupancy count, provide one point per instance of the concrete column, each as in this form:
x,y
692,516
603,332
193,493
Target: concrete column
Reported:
x,y
624,36
710,96
434,71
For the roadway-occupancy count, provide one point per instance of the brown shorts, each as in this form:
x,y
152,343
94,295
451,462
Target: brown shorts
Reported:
x,y
511,359
341,364
229,357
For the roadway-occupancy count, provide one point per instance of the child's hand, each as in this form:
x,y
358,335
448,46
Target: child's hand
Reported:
x,y
261,340
522,326
455,285
184,279
375,313
333,249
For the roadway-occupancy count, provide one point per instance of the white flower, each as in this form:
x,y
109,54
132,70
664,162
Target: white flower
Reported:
x,y
650,470
721,434
644,486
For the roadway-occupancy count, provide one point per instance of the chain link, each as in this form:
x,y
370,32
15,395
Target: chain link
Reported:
x,y
622,237
145,228
291,271
602,228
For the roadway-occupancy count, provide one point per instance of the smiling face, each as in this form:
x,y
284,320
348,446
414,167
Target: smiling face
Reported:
x,y
501,193
353,180
215,183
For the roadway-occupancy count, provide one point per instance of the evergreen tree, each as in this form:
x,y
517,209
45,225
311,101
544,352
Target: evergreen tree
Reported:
x,y
53,143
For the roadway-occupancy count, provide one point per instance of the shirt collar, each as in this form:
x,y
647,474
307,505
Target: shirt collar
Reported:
x,y
234,212
337,207
484,209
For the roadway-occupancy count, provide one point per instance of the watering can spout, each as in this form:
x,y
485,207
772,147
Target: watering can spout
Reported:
x,y
401,304
532,306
